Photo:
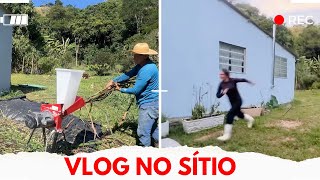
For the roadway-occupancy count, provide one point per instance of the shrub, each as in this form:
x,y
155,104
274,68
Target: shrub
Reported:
x,y
102,63
67,60
214,109
46,64
308,80
198,111
100,69
89,53
273,103
307,72
315,85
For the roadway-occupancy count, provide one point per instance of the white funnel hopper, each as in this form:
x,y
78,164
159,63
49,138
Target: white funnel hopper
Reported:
x,y
68,82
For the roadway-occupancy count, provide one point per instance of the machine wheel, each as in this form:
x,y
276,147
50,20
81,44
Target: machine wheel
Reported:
x,y
51,143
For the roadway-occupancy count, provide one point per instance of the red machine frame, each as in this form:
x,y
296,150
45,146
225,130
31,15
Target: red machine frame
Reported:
x,y
59,114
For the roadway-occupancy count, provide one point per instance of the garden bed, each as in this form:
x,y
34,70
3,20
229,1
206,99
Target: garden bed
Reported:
x,y
192,126
165,129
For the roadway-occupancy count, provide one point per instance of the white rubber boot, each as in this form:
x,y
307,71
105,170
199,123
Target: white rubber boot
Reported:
x,y
249,119
227,133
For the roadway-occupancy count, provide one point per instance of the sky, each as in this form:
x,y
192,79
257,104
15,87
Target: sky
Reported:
x,y
267,7
76,3
285,8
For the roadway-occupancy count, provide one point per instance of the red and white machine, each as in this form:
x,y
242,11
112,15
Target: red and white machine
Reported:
x,y
51,115
57,113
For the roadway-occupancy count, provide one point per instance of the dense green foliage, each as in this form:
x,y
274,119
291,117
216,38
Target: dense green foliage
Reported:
x,y
284,36
273,103
198,111
98,37
308,73
308,42
304,41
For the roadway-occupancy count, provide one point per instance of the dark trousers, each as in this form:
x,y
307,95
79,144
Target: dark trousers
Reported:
x,y
234,111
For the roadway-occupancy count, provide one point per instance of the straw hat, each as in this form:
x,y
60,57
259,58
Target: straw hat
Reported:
x,y
143,48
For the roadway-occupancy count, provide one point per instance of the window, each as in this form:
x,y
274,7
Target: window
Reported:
x,y
280,67
232,57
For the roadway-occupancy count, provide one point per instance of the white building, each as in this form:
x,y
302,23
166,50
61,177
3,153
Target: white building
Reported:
x,y
200,37
5,53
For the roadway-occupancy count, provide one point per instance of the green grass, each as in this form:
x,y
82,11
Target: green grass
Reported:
x,y
107,112
13,138
295,135
11,94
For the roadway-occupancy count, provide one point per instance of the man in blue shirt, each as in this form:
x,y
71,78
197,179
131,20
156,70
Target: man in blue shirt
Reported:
x,y
146,92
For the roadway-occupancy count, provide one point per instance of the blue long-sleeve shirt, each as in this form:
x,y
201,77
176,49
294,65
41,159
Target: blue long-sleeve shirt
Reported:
x,y
146,82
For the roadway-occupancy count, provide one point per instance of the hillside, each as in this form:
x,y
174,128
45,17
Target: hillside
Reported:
x,y
43,10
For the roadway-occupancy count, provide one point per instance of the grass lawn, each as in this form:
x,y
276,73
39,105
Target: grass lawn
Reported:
x,y
107,112
295,135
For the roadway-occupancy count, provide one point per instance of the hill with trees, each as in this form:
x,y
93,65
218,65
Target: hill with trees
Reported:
x,y
303,40
97,37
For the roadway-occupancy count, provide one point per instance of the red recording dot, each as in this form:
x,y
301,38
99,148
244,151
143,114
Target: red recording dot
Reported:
x,y
279,20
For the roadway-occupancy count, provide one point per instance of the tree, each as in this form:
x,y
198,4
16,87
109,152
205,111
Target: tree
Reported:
x,y
65,36
249,10
33,55
308,43
58,3
139,15
21,46
100,24
284,36
59,19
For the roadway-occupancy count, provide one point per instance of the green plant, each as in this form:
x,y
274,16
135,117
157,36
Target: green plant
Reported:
x,y
198,111
315,85
102,63
273,103
164,118
46,64
100,69
307,72
66,61
214,109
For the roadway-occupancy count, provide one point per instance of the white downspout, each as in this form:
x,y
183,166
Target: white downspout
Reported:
x,y
273,54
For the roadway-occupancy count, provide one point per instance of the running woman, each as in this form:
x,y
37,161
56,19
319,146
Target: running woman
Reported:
x,y
228,86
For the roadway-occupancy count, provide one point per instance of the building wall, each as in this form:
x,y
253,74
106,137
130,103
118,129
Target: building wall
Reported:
x,y
190,56
5,55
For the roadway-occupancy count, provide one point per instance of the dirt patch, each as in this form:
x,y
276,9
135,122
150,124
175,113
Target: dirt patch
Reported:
x,y
286,124
281,140
287,139
207,137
